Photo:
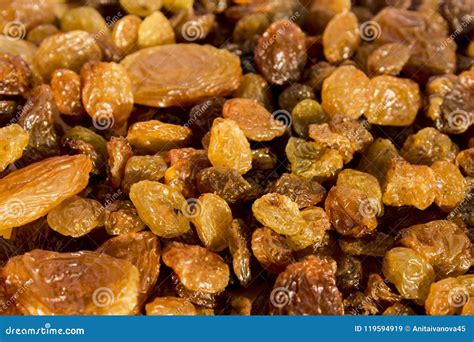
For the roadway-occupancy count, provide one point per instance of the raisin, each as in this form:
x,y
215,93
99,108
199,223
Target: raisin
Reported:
x,y
85,19
174,83
90,283
203,114
140,168
350,211
16,75
415,29
227,183
379,291
70,50
342,134
314,232
465,161
170,306
271,250
88,136
388,59
253,119
121,217
264,159
195,27
241,306
443,244
76,216
304,114
428,146
364,182
37,118
237,239
307,287
255,87
33,191
279,213
212,217
376,245
154,30
293,95
393,101
358,303
160,207
13,140
448,296
376,158
106,94
451,185
313,161
186,261
303,192
229,147
141,8
119,151
317,73
410,272
143,251
408,184
250,26
154,136
125,33
349,273
399,309
281,57
341,37
66,86
346,92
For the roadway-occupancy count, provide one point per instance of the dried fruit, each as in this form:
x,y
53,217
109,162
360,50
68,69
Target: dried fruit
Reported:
x,y
211,276
15,75
399,309
313,161
376,245
346,92
66,86
271,250
106,94
229,147
264,159
364,182
212,218
76,216
154,30
358,303
307,287
279,213
227,183
446,246
255,87
376,158
410,272
388,59
32,191
139,168
121,217
13,140
379,291
281,57
465,161
70,50
237,239
341,37
143,251
161,208
351,211
449,295
84,18
303,192
250,26
37,118
450,187
306,113
187,74
141,7
253,119
170,306
119,151
427,146
342,134
293,95
314,232
154,136
125,33
393,101
349,273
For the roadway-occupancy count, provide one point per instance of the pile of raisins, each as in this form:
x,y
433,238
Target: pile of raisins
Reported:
x,y
236,157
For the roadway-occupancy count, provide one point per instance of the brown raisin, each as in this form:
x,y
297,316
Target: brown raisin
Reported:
x,y
271,250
